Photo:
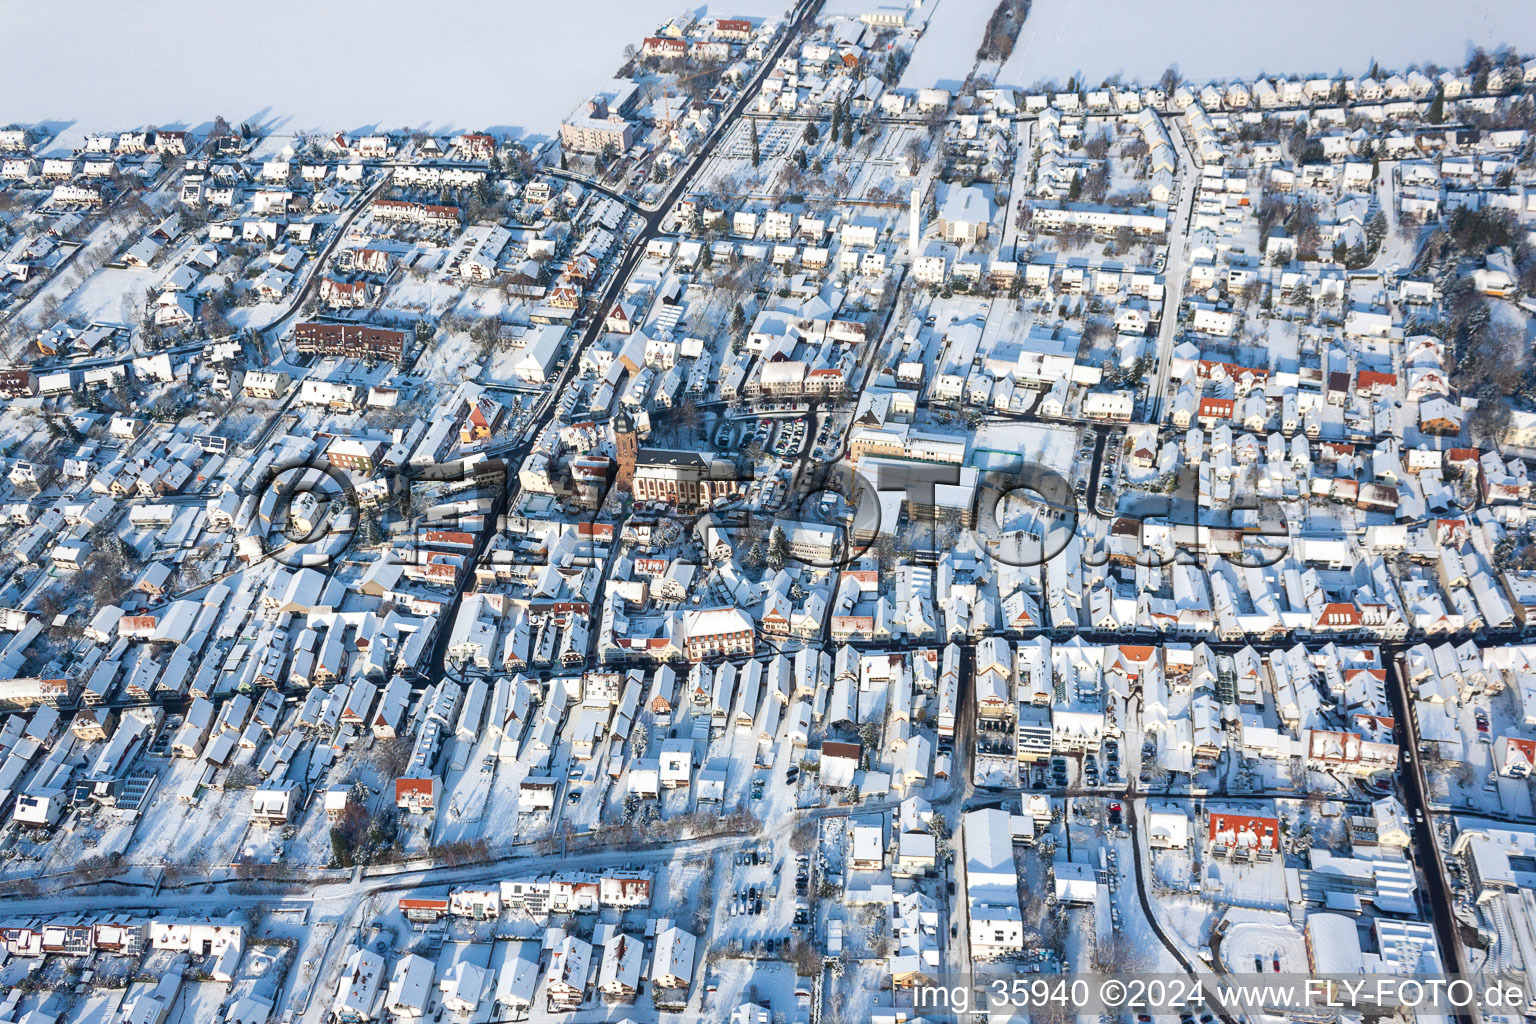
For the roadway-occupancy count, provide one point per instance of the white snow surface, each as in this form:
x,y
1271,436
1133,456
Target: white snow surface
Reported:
x,y
344,65
1097,39
946,53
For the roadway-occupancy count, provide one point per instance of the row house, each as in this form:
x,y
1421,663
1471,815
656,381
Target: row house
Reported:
x,y
1242,836
404,212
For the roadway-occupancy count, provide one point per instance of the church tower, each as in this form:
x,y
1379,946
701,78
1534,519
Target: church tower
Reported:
x,y
627,442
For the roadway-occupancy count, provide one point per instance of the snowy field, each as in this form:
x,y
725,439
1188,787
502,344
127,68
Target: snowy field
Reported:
x,y
111,295
1100,39
345,65
944,56
997,445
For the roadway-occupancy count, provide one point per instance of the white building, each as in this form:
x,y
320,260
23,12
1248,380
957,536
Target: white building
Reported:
x,y
358,987
991,884
672,960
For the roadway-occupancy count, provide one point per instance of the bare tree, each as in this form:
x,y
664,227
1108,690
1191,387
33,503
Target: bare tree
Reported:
x,y
391,756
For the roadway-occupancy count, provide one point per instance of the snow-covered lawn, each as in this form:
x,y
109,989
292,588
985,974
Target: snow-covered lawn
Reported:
x,y
1259,883
259,314
427,296
1186,920
1136,41
172,831
454,356
999,444
199,1001
110,296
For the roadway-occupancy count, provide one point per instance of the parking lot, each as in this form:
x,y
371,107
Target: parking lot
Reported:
x,y
1103,770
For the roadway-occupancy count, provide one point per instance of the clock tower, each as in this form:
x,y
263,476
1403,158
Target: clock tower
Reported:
x,y
627,443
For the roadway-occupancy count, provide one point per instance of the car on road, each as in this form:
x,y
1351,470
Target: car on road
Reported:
x,y
573,797
1115,814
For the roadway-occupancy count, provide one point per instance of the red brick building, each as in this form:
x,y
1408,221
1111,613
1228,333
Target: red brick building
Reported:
x,y
354,341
